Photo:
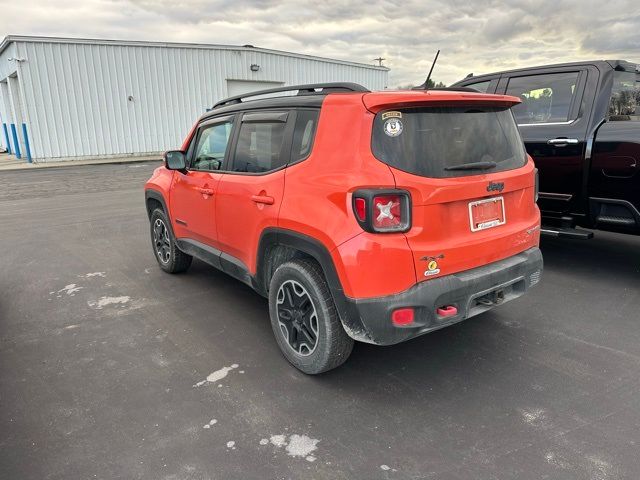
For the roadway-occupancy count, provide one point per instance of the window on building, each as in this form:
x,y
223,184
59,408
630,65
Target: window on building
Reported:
x,y
545,98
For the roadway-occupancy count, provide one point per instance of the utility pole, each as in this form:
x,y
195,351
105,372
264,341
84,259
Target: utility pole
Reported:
x,y
379,60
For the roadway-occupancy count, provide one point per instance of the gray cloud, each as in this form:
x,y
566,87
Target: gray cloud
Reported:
x,y
479,36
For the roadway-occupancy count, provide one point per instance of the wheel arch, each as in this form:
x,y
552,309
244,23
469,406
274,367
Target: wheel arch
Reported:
x,y
153,198
298,245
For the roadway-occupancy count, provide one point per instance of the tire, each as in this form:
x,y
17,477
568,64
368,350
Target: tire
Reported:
x,y
301,283
170,258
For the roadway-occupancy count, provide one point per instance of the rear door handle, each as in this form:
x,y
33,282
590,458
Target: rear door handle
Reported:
x,y
265,199
205,191
561,142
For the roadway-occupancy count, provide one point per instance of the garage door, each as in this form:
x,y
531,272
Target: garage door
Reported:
x,y
239,87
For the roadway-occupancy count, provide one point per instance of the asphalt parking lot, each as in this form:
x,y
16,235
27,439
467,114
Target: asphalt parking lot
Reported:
x,y
101,355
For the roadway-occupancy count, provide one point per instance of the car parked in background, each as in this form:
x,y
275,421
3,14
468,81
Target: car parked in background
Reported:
x,y
581,124
370,216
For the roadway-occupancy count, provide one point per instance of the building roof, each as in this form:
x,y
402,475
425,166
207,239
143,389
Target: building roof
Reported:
x,y
205,46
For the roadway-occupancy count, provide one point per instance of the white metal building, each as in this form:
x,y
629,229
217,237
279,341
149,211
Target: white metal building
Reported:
x,y
64,98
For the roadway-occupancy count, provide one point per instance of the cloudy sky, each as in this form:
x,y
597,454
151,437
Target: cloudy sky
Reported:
x,y
477,36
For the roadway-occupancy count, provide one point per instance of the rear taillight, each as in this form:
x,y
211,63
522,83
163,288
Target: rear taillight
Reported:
x,y
382,211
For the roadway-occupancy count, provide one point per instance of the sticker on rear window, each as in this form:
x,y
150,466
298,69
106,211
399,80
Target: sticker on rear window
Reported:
x,y
393,127
393,114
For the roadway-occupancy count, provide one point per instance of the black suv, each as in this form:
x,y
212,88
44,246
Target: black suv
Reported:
x,y
581,124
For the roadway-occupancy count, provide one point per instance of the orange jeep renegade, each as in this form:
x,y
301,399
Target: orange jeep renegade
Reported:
x,y
369,216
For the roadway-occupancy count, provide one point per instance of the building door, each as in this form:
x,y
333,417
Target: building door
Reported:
x,y
9,131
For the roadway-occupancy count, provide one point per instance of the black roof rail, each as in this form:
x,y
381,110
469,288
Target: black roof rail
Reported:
x,y
454,89
458,89
310,89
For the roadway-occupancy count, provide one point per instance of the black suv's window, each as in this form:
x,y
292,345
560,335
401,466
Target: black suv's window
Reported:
x,y
545,98
480,86
211,147
625,97
303,134
431,142
260,143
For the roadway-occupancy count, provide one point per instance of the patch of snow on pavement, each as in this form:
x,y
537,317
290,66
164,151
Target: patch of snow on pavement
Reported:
x,y
217,375
231,445
278,440
210,424
301,445
104,301
296,446
70,289
93,274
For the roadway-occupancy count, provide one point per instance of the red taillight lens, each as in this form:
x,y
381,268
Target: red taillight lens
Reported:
x,y
403,316
379,210
360,208
387,212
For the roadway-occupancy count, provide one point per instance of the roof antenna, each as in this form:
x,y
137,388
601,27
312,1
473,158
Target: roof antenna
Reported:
x,y
425,85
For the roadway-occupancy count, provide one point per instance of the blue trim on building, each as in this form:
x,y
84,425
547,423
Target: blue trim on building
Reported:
x,y
6,136
26,142
16,144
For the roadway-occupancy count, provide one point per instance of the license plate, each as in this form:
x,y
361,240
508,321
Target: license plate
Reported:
x,y
486,213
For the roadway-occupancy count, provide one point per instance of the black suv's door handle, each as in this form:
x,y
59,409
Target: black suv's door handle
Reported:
x,y
562,142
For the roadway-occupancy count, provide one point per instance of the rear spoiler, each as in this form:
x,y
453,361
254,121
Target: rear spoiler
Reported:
x,y
375,102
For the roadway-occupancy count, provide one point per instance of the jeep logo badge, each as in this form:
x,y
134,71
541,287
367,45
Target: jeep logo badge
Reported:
x,y
495,187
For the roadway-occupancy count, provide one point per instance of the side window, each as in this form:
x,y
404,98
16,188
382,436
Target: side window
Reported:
x,y
480,86
625,97
260,143
211,147
303,134
545,98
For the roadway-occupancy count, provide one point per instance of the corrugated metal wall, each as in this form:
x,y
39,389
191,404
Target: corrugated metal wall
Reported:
x,y
95,100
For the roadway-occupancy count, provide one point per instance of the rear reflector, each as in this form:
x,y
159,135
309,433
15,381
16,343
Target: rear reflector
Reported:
x,y
402,316
360,207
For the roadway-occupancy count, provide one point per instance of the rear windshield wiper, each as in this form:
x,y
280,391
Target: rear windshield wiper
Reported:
x,y
473,166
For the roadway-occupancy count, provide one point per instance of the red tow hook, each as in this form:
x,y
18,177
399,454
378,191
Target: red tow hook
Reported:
x,y
447,311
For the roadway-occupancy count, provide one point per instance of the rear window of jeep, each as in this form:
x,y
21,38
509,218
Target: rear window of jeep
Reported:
x,y
441,142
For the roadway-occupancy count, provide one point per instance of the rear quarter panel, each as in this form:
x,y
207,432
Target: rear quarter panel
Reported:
x,y
318,196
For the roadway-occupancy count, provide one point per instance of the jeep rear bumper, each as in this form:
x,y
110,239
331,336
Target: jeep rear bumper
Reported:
x,y
471,292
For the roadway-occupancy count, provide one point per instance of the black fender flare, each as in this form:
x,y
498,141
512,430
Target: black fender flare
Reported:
x,y
273,236
150,193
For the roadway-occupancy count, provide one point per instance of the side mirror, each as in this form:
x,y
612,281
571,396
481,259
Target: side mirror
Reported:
x,y
175,160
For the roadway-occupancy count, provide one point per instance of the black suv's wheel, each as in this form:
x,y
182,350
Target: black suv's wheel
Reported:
x,y
169,257
304,318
